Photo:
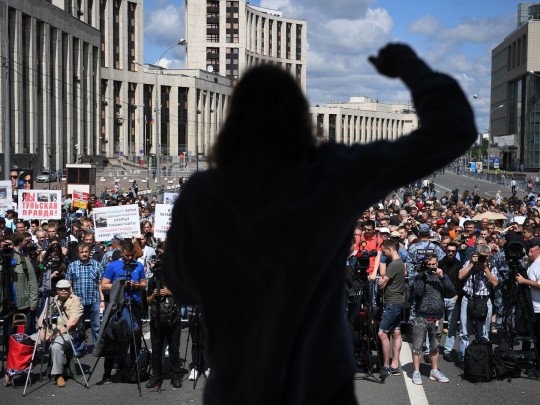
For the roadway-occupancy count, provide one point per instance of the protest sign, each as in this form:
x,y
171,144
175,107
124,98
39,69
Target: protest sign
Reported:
x,y
122,219
162,220
170,198
80,199
6,192
39,204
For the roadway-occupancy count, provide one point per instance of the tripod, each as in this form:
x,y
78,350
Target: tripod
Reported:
x,y
70,341
367,339
197,345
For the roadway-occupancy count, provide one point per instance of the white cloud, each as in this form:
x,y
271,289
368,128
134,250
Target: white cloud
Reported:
x,y
165,26
426,25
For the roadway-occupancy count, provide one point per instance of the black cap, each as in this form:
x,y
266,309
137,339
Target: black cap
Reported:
x,y
533,242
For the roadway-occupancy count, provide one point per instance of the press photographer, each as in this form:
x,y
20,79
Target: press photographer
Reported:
x,y
479,276
533,282
164,325
429,288
132,272
18,286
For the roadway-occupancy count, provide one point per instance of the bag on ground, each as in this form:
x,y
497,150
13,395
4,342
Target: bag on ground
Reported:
x,y
478,362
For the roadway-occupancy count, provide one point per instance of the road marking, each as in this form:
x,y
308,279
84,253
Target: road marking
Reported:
x,y
417,395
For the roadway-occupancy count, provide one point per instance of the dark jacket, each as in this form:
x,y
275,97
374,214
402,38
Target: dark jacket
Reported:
x,y
429,290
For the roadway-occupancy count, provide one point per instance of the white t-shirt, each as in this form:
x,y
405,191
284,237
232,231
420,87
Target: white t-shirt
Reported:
x,y
533,272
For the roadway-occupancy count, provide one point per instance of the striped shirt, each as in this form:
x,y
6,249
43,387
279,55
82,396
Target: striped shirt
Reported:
x,y
85,279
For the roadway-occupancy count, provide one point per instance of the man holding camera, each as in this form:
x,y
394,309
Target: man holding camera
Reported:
x,y
429,288
479,275
62,323
393,285
164,326
132,271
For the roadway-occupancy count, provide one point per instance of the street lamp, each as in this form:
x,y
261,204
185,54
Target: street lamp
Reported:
x,y
477,97
158,107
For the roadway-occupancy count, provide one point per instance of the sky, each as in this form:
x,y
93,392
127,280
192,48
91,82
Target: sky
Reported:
x,y
453,36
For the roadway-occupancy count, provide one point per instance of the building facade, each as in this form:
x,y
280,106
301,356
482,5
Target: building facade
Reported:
x,y
230,36
515,85
363,120
49,86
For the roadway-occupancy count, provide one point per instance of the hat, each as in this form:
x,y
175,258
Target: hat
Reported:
x,y
63,284
424,228
384,229
534,242
441,221
435,239
10,212
395,234
44,222
118,238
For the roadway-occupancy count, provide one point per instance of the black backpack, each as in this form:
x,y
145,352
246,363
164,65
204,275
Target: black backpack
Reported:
x,y
506,363
478,362
144,358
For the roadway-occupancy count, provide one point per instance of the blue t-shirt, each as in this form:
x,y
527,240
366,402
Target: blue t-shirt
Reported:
x,y
115,270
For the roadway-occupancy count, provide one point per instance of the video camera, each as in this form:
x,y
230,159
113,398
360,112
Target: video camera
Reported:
x,y
157,264
363,259
515,250
421,261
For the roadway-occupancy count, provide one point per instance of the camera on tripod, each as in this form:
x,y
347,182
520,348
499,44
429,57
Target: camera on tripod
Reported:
x,y
363,259
6,254
129,267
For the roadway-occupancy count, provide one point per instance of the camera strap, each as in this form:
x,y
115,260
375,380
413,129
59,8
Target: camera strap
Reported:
x,y
22,261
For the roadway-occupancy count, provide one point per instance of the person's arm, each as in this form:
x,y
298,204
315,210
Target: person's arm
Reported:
x,y
106,284
464,272
494,280
525,281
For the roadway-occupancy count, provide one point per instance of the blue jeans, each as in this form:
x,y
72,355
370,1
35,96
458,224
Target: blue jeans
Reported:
x,y
453,309
391,317
91,311
471,326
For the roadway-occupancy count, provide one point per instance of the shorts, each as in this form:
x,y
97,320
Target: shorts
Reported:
x,y
391,317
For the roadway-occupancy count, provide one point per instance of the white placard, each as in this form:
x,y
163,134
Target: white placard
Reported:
x,y
170,198
39,204
162,220
6,192
122,220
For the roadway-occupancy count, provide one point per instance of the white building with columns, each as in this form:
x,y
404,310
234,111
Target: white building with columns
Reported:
x,y
363,120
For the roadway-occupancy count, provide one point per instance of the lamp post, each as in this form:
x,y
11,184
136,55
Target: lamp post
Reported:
x,y
476,97
158,107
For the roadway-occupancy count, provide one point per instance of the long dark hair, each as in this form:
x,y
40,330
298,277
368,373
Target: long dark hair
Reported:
x,y
268,121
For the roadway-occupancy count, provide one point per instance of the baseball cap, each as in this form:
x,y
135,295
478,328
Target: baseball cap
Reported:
x,y
63,284
441,222
395,234
384,229
424,228
118,238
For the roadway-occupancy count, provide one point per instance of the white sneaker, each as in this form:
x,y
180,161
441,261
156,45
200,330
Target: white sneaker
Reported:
x,y
193,375
207,373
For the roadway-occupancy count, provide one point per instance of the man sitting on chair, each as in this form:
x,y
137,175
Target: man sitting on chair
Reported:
x,y
63,314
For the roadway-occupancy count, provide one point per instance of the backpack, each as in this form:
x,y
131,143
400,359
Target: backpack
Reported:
x,y
144,357
169,313
506,363
478,362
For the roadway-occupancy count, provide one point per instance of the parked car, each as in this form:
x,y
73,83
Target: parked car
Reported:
x,y
46,176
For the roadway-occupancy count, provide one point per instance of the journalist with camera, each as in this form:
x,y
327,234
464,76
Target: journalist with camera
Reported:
x,y
164,325
429,288
18,286
56,322
128,269
479,276
533,282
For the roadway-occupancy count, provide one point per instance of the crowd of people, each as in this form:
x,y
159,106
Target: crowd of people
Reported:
x,y
59,261
451,250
